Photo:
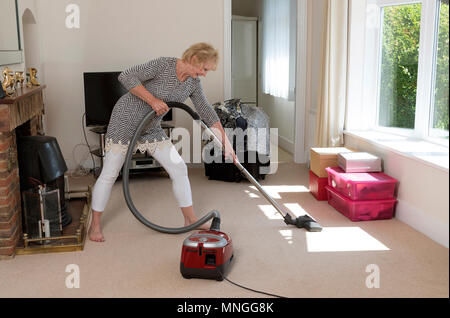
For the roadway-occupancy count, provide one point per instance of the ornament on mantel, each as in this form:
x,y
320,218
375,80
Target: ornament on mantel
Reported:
x,y
19,79
32,77
8,82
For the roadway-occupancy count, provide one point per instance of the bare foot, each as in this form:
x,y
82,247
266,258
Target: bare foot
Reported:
x,y
95,233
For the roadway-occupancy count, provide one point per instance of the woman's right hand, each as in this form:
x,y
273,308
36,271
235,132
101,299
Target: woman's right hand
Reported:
x,y
159,106
155,103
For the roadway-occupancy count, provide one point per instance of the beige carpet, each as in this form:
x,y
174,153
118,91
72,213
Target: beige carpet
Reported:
x,y
270,256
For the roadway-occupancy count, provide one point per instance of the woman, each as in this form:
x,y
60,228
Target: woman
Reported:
x,y
150,86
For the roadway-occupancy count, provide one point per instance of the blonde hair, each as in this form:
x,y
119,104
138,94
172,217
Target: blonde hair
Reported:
x,y
203,52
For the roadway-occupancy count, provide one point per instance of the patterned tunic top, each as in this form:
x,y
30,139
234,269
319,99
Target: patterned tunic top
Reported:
x,y
159,77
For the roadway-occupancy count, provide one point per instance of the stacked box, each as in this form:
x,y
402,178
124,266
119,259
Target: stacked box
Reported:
x,y
361,186
359,162
361,210
322,158
361,196
317,187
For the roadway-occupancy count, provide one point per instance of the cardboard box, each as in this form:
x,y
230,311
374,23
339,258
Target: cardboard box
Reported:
x,y
359,162
322,158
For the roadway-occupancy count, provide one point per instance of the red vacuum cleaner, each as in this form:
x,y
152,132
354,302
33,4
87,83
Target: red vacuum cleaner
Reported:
x,y
205,254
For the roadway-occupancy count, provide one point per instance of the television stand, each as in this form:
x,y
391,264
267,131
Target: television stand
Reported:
x,y
99,129
140,161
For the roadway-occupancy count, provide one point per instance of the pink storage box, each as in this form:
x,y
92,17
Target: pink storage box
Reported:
x,y
361,210
359,162
362,185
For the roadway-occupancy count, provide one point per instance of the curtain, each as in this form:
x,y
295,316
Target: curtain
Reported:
x,y
331,107
278,55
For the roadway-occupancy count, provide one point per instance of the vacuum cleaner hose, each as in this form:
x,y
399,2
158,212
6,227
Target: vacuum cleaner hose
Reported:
x,y
126,176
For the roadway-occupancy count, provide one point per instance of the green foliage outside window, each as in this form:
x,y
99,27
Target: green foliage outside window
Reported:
x,y
400,56
400,53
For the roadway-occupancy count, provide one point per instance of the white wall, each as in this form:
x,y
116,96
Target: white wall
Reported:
x,y
115,35
31,40
30,5
282,116
422,192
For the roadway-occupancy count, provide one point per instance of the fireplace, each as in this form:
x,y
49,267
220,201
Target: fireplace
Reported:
x,y
19,115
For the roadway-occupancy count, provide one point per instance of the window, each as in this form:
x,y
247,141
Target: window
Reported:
x,y
439,112
407,67
399,65
278,48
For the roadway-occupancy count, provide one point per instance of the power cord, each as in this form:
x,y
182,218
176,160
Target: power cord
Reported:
x,y
83,121
253,290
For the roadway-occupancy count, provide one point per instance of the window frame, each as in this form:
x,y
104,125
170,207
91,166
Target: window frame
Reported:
x,y
429,19
433,80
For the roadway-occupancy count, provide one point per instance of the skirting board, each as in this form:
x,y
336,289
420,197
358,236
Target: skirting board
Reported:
x,y
422,222
282,142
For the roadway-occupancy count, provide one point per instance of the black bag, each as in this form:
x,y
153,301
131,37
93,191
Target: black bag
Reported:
x,y
228,172
256,164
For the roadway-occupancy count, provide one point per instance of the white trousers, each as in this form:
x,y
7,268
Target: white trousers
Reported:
x,y
167,156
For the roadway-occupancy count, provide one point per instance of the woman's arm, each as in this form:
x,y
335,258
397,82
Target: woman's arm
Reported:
x,y
136,75
227,147
133,78
211,119
204,109
159,106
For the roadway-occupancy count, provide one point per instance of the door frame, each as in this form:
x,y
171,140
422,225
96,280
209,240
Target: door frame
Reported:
x,y
227,49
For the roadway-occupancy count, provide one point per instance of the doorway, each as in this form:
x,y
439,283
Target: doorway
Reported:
x,y
287,114
244,58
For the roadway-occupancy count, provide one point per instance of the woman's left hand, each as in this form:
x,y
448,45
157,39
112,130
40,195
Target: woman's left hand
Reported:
x,y
229,152
227,148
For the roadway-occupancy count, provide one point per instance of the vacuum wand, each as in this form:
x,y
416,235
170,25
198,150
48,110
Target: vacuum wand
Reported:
x,y
301,222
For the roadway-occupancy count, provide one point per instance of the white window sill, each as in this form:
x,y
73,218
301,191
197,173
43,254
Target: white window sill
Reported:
x,y
420,150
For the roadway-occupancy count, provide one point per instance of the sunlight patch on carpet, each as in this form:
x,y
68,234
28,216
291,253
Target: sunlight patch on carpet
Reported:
x,y
251,194
274,191
342,239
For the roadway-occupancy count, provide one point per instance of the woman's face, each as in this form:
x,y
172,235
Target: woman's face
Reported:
x,y
200,69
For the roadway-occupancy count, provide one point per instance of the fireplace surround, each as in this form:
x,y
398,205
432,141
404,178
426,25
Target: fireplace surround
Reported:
x,y
19,115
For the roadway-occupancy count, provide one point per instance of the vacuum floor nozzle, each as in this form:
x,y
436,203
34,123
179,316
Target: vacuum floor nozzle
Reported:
x,y
303,222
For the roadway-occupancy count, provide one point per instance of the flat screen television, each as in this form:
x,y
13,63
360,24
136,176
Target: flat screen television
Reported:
x,y
101,92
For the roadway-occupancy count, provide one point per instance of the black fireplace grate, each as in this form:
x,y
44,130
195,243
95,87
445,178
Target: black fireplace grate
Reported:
x,y
42,212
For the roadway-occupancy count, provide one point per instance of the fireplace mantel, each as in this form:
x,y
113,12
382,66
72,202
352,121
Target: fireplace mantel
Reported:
x,y
18,109
19,114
